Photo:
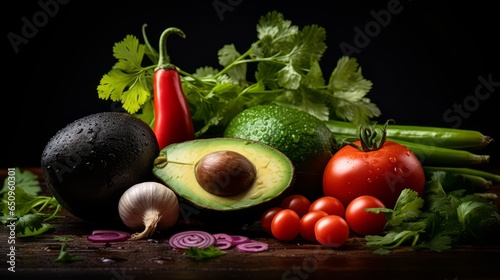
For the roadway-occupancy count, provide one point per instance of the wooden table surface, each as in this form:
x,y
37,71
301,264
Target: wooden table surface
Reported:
x,y
155,259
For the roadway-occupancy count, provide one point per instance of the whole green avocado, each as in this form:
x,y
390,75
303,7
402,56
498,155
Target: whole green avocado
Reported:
x,y
302,137
88,164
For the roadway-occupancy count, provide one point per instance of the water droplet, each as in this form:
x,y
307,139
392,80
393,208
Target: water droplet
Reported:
x,y
369,180
52,248
162,260
392,159
152,241
89,165
398,172
112,260
374,162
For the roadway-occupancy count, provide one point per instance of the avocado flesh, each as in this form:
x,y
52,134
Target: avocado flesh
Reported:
x,y
274,172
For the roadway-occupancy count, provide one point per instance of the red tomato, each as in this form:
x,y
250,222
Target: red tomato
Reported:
x,y
329,204
267,218
362,222
285,225
307,223
298,203
331,231
382,173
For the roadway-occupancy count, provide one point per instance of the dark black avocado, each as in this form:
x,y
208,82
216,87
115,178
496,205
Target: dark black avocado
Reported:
x,y
88,164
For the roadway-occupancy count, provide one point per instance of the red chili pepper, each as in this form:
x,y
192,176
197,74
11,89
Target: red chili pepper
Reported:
x,y
172,123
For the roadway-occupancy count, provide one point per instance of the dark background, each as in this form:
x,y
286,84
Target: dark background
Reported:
x,y
426,60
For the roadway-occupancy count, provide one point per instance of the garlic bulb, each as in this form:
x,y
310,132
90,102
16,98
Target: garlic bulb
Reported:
x,y
150,205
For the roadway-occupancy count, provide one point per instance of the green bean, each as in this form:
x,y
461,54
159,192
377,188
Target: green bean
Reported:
x,y
464,170
436,156
451,138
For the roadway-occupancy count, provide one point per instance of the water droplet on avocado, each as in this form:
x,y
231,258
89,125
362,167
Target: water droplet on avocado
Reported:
x,y
89,165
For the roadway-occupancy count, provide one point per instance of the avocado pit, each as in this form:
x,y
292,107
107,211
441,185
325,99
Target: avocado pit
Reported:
x,y
225,173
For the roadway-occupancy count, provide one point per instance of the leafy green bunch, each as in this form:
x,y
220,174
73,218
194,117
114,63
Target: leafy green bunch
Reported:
x,y
25,207
288,72
437,220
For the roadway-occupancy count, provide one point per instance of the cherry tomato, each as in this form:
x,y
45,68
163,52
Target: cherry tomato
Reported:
x,y
331,231
362,222
267,218
307,223
285,225
298,203
382,173
329,204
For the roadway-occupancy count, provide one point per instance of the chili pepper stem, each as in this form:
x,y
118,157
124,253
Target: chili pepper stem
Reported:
x,y
164,59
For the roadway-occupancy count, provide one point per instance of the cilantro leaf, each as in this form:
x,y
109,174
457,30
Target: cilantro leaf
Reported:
x,y
26,180
203,254
229,54
129,54
66,257
31,211
128,81
348,89
274,33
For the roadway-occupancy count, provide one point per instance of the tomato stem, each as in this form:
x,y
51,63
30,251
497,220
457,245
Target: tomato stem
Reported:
x,y
369,138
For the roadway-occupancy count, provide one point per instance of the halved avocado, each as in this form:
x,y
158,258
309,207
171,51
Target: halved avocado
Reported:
x,y
177,166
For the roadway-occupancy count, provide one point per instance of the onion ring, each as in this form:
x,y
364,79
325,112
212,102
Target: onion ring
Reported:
x,y
191,238
103,236
239,239
252,247
223,241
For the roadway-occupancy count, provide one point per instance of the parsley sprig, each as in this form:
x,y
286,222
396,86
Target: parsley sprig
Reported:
x,y
25,207
437,220
288,72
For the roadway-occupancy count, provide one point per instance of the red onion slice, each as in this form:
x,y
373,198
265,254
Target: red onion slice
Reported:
x,y
103,236
239,239
223,244
191,238
252,247
223,241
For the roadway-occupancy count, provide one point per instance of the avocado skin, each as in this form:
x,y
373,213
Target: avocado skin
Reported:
x,y
88,164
